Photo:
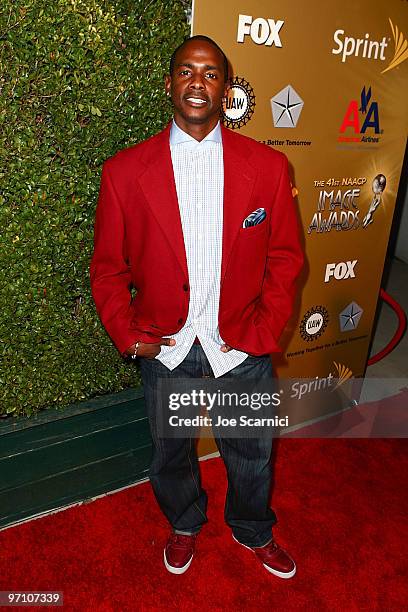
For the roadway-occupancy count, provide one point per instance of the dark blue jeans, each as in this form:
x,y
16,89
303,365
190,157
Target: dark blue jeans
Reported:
x,y
174,471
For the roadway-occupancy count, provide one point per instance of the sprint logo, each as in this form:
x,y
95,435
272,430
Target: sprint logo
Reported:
x,y
321,384
369,48
343,374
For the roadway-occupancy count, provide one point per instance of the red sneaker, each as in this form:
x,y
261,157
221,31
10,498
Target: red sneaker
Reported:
x,y
179,552
274,559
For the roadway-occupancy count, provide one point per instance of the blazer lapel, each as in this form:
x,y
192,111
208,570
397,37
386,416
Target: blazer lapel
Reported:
x,y
158,185
239,181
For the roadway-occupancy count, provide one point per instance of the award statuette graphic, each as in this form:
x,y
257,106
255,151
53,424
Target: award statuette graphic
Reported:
x,y
378,187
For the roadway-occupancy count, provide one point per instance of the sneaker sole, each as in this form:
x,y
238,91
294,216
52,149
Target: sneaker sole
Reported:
x,y
284,575
176,570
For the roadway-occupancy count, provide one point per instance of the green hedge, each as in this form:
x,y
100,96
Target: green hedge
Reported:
x,y
79,79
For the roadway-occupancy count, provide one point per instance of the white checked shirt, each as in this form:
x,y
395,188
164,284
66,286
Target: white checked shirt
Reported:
x,y
199,175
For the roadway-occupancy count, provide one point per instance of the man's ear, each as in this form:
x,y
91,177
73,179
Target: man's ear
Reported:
x,y
225,94
167,84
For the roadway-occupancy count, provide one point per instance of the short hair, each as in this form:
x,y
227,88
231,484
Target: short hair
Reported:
x,y
206,39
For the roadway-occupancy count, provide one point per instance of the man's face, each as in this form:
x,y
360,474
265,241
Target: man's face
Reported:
x,y
197,85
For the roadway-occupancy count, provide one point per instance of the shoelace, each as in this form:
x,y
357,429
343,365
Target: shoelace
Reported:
x,y
178,539
272,548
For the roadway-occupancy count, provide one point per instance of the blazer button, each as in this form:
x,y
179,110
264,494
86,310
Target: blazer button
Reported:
x,y
185,287
180,321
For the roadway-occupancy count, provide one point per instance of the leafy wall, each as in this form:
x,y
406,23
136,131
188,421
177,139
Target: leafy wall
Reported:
x,y
79,79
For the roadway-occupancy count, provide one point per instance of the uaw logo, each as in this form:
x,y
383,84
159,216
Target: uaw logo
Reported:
x,y
371,49
361,122
286,108
239,104
314,323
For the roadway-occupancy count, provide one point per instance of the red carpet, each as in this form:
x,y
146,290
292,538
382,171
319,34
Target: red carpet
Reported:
x,y
342,510
382,418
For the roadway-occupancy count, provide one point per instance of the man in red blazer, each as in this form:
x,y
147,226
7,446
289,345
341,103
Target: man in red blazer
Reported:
x,y
201,221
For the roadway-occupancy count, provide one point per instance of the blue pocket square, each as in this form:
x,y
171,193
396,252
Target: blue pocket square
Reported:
x,y
255,218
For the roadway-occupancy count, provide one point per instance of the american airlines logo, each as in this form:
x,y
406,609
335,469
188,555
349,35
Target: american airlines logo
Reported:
x,y
361,122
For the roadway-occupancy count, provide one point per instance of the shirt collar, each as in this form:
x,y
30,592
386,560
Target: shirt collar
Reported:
x,y
179,136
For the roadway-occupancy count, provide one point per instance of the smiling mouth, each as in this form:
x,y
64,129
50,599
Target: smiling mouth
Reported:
x,y
196,101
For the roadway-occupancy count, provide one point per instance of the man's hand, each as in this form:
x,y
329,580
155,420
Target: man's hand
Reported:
x,y
226,348
150,350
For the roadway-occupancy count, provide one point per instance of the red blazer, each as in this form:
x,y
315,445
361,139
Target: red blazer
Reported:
x,y
139,242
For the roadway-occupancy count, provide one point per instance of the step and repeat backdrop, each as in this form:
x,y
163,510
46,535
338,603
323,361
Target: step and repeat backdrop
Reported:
x,y
326,83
